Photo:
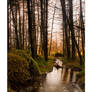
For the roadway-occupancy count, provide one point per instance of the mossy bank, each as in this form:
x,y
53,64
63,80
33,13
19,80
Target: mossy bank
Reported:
x,y
22,68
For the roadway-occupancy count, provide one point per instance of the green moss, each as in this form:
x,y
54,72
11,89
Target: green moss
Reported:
x,y
45,66
34,65
41,61
27,55
18,68
10,90
22,53
22,67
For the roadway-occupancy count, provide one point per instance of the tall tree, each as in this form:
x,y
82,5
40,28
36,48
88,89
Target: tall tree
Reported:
x,y
13,7
72,32
8,24
65,27
71,27
20,30
44,33
23,25
46,52
31,27
82,30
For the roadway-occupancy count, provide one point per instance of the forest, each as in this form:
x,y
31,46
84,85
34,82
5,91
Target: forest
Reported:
x,y
39,33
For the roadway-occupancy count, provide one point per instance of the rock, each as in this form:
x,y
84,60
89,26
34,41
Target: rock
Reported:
x,y
58,64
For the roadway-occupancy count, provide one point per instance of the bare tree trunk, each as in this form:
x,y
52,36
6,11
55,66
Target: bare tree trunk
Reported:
x,y
63,42
20,34
34,29
8,26
31,27
82,31
41,26
65,27
46,57
44,33
23,25
71,27
14,15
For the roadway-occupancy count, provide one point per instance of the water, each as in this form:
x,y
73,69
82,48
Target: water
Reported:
x,y
58,80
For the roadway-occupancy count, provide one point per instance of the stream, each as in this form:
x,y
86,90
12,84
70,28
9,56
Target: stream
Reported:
x,y
58,80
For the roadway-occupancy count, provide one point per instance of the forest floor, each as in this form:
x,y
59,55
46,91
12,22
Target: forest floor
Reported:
x,y
22,67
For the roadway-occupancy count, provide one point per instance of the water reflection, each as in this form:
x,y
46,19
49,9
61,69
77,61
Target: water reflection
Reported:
x,y
56,82
74,76
53,81
54,77
69,75
63,74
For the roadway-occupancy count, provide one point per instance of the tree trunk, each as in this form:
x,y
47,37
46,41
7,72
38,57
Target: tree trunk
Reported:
x,y
44,33
23,25
8,26
31,27
71,27
82,31
20,33
65,27
14,15
46,52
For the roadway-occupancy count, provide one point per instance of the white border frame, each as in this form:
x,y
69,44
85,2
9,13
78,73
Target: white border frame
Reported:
x,y
3,46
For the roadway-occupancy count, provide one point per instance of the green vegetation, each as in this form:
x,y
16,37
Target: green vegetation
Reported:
x,y
81,76
76,63
18,68
27,55
22,67
71,62
45,66
39,65
10,90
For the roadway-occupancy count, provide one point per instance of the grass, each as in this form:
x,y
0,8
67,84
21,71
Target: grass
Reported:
x,y
71,62
45,66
